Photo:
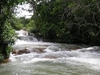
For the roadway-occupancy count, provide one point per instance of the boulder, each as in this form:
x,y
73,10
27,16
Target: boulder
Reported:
x,y
18,52
25,51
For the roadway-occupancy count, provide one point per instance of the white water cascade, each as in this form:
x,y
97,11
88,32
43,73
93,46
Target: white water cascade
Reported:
x,y
46,58
23,37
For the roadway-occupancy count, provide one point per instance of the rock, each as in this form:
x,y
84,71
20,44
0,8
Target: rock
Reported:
x,y
14,51
74,47
18,52
50,57
38,50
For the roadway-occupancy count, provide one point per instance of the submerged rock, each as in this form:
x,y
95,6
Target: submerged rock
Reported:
x,y
18,52
25,51
39,50
50,56
74,47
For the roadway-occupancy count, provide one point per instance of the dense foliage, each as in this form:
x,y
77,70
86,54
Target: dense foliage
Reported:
x,y
16,23
72,21
19,23
6,31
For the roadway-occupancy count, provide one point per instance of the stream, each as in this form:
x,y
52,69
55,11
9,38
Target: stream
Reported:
x,y
47,58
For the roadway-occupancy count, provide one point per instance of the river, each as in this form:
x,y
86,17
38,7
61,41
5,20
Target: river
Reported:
x,y
57,59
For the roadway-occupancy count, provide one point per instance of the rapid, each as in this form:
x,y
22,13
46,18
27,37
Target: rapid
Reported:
x,y
47,58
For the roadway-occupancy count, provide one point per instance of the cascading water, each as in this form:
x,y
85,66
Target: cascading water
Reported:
x,y
23,37
47,58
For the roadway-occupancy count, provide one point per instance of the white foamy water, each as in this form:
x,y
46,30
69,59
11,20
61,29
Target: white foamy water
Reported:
x,y
58,59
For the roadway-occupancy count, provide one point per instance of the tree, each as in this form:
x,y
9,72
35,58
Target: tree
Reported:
x,y
16,23
6,31
71,21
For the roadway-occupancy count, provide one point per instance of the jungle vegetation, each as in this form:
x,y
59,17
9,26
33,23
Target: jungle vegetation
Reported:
x,y
7,34
69,21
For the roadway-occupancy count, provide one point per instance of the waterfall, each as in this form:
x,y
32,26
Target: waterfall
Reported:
x,y
24,37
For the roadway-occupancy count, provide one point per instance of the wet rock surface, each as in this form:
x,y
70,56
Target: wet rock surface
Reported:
x,y
74,47
18,52
25,51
